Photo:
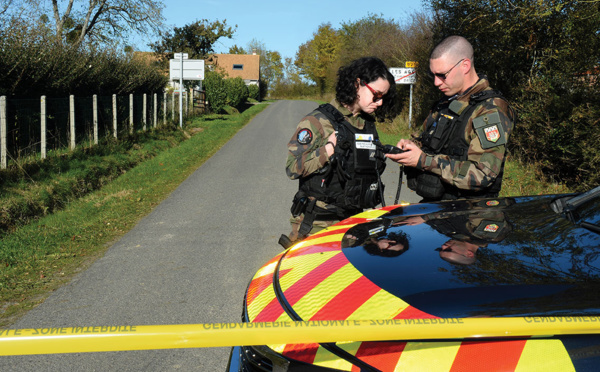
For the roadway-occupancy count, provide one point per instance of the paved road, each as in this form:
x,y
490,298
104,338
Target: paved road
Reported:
x,y
191,259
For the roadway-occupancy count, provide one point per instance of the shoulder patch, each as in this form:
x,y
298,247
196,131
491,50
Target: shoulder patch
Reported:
x,y
489,129
305,136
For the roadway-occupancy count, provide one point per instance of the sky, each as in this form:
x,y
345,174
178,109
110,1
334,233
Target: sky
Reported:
x,y
280,25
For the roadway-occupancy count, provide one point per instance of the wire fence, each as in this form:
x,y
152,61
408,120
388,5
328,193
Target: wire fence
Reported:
x,y
36,127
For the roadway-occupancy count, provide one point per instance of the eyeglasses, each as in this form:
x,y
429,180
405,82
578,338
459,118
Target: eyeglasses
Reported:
x,y
444,75
377,96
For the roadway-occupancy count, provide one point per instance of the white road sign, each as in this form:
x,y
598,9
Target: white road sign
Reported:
x,y
404,75
193,69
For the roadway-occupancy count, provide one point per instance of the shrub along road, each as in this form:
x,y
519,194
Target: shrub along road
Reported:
x,y
190,260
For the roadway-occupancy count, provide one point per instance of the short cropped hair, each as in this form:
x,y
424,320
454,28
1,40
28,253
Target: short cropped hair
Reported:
x,y
455,45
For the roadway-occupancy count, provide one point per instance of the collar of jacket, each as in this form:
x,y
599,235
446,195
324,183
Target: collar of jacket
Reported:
x,y
357,121
462,101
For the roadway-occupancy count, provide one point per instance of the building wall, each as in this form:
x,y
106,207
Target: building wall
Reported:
x,y
245,66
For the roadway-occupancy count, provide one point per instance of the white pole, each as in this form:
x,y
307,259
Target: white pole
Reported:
x,y
95,98
181,92
114,101
410,108
43,126
72,112
165,108
131,113
3,132
155,109
144,113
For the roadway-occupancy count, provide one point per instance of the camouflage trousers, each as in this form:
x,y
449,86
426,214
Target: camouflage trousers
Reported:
x,y
317,226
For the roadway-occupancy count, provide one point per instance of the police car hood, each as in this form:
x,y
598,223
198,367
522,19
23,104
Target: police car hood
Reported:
x,y
489,257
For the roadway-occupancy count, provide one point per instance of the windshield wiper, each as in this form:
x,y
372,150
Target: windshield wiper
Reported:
x,y
569,205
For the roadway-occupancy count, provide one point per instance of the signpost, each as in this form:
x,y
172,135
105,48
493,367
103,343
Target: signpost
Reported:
x,y
183,68
406,75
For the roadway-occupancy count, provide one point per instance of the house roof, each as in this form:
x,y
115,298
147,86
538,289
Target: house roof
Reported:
x,y
247,65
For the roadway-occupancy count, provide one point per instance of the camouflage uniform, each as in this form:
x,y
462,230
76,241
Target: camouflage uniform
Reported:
x,y
477,227
307,155
479,173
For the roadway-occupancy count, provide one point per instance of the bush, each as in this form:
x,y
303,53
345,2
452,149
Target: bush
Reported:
x,y
237,91
553,130
33,64
216,91
254,92
294,90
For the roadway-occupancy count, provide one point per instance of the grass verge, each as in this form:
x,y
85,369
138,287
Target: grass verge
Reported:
x,y
39,257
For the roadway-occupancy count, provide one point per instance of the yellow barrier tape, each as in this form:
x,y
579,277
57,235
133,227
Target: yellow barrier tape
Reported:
x,y
119,338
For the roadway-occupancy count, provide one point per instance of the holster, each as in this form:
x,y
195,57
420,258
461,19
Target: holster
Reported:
x,y
425,184
299,204
309,218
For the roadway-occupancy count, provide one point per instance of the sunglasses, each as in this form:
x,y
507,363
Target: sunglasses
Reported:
x,y
444,75
377,96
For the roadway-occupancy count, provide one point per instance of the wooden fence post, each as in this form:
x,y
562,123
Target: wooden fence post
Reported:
x,y
144,121
3,132
114,105
173,107
43,126
72,117
95,104
187,104
131,113
155,110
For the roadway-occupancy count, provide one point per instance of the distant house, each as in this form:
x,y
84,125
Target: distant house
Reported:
x,y
245,66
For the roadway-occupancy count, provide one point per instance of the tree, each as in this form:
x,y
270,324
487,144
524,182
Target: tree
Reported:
x,y
518,40
237,50
316,57
271,67
4,5
544,56
373,36
394,44
103,20
197,39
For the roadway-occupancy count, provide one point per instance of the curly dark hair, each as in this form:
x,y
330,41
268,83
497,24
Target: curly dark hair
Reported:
x,y
367,70
400,238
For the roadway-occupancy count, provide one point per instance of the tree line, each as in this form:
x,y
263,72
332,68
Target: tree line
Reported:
x,y
543,55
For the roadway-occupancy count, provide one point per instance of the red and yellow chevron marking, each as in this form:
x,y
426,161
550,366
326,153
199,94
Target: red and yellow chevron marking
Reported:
x,y
321,284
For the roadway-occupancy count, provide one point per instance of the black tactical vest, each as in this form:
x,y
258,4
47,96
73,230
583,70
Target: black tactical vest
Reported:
x,y
445,135
350,181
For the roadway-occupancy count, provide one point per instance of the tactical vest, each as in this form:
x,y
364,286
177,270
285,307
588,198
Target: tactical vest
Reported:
x,y
445,135
350,180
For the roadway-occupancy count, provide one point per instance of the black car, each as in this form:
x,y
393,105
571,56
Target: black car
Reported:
x,y
535,258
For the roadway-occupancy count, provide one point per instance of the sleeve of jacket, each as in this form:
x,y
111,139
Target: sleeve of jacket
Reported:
x,y
306,149
486,153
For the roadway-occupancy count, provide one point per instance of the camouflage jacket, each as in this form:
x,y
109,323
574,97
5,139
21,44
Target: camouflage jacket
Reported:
x,y
306,149
485,159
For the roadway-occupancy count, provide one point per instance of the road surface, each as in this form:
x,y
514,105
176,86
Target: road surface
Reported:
x,y
190,260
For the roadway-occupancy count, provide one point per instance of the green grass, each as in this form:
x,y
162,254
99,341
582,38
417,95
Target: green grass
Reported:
x,y
39,256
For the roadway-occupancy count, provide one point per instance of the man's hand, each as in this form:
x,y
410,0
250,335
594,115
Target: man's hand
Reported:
x,y
411,155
